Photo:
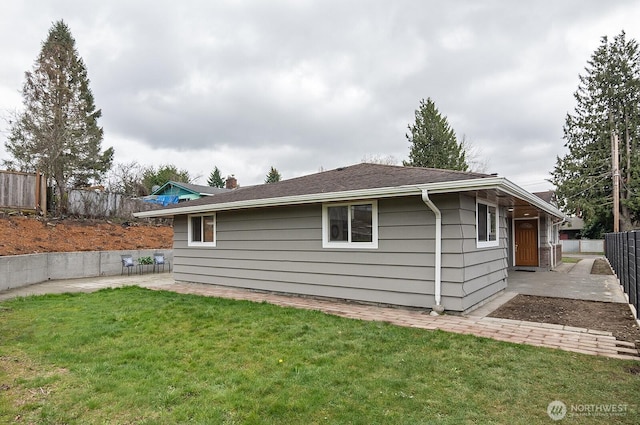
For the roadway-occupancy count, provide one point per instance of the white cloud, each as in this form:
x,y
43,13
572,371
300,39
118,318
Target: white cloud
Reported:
x,y
306,84
457,39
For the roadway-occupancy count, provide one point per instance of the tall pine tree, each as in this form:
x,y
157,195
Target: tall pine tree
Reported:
x,y
433,141
273,176
215,179
608,100
58,130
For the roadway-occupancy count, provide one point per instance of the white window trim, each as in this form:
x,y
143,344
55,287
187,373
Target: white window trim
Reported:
x,y
327,243
488,244
190,233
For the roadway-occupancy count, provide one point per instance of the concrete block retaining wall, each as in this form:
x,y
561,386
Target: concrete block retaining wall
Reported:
x,y
23,270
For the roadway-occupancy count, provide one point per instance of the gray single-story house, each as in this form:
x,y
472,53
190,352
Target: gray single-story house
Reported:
x,y
407,236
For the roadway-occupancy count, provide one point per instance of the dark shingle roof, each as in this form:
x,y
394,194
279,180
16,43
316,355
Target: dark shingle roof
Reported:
x,y
208,190
549,196
354,177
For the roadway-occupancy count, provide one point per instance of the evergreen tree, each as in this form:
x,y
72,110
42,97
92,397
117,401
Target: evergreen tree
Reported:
x,y
215,179
165,173
433,142
273,176
608,100
58,132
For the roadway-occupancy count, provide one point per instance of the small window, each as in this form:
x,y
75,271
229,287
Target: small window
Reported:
x,y
352,225
202,230
487,224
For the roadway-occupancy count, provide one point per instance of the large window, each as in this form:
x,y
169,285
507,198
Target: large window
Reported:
x,y
487,224
353,225
202,230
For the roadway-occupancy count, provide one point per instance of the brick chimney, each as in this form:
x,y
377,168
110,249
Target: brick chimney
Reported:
x,y
232,183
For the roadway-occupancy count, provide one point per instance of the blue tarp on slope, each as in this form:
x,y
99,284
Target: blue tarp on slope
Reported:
x,y
163,200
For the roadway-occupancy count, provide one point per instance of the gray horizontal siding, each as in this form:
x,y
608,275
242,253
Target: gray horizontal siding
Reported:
x,y
280,249
485,269
378,283
477,297
330,291
331,257
297,245
398,272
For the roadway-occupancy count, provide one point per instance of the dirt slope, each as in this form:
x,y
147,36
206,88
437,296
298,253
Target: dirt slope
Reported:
x,y
32,235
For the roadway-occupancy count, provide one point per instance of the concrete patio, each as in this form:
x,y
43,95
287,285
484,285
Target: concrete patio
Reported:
x,y
569,280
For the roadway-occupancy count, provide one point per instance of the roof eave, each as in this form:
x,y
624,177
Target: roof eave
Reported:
x,y
498,183
286,200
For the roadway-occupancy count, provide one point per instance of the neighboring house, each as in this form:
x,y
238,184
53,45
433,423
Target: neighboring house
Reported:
x,y
548,196
572,228
176,192
375,233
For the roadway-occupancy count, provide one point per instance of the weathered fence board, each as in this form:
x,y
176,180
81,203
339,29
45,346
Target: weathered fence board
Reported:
x,y
98,204
25,191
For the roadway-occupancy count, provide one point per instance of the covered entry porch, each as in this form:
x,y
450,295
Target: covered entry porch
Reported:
x,y
533,240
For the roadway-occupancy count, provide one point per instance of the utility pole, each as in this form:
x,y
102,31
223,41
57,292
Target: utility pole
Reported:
x,y
616,182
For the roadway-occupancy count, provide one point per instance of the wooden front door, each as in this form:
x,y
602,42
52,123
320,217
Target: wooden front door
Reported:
x,y
526,238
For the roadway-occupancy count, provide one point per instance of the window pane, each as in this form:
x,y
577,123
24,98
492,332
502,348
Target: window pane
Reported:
x,y
361,223
196,229
208,227
492,223
482,223
338,224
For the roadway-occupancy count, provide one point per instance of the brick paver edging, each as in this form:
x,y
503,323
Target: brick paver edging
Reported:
x,y
579,340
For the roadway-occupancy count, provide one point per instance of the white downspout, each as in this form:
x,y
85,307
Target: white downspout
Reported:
x,y
437,308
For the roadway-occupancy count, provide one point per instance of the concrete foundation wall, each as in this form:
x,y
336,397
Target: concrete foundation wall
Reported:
x,y
23,270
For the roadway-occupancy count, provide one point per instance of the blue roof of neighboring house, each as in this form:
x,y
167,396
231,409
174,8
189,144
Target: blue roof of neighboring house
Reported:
x,y
187,191
175,192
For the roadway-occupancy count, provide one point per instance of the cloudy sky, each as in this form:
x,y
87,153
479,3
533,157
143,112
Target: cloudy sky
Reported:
x,y
305,85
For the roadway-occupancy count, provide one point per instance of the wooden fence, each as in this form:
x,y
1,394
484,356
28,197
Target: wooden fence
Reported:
x,y
23,191
100,204
28,191
623,252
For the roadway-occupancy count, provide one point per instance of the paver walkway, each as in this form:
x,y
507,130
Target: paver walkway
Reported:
x,y
567,338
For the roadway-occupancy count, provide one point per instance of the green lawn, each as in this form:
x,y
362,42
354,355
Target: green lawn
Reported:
x,y
132,355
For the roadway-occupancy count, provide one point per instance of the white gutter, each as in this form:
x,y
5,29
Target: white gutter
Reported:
x,y
437,308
